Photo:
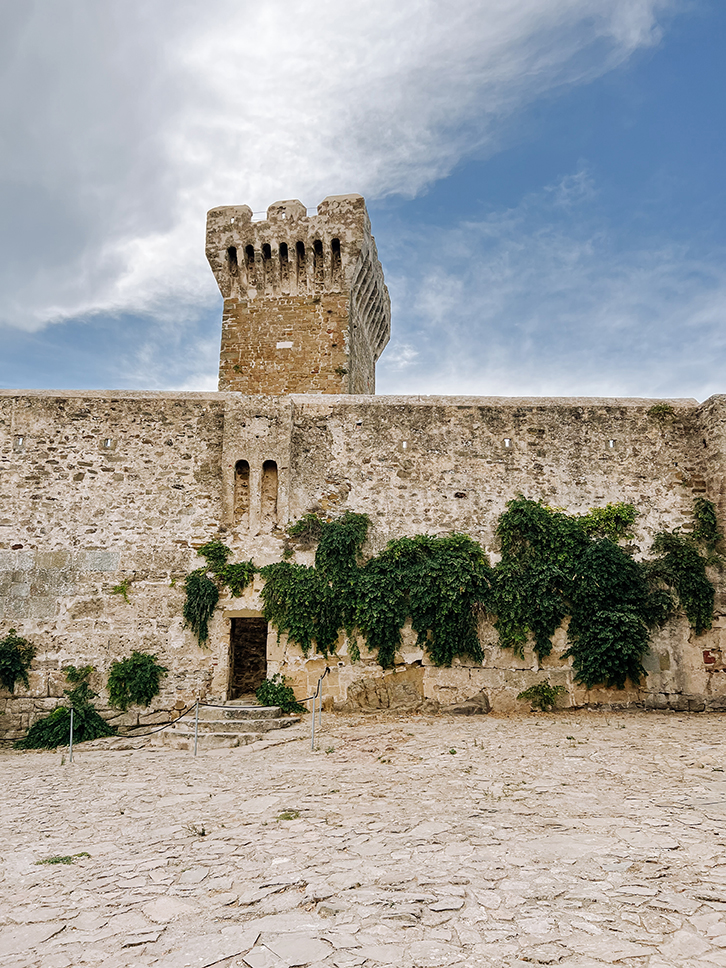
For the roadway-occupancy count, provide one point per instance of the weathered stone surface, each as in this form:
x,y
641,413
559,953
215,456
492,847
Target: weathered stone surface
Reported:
x,y
383,693
513,852
477,705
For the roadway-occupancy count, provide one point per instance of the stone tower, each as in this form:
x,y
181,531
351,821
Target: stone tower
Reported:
x,y
306,309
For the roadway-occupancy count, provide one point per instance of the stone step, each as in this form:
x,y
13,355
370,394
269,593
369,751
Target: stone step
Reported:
x,y
232,711
237,725
182,739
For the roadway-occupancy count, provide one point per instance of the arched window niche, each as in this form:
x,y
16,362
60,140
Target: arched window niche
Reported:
x,y
268,494
241,492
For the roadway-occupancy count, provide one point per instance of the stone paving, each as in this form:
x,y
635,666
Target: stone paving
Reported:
x,y
575,839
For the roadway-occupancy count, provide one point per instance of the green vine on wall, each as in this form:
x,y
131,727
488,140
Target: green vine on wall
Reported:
x,y
134,680
437,582
204,585
553,566
16,655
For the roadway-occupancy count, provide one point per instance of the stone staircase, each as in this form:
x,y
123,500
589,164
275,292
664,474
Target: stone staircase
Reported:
x,y
236,723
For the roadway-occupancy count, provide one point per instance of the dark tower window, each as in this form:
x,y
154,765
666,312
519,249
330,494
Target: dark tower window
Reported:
x,y
318,267
301,268
241,492
266,264
250,264
336,263
268,496
232,260
284,267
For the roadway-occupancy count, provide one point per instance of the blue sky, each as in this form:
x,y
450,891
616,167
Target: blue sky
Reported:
x,y
545,181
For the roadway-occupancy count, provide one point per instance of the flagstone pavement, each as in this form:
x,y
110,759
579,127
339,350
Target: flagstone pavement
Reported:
x,y
573,839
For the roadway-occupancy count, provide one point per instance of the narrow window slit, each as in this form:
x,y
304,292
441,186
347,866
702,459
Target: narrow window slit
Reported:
x,y
318,266
241,491
250,265
268,495
336,265
301,267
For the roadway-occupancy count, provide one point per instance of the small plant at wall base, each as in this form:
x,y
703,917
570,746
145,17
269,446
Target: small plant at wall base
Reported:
x,y
16,655
542,696
202,591
134,681
275,692
54,730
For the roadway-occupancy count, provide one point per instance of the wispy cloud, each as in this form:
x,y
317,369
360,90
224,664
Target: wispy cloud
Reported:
x,y
122,123
529,301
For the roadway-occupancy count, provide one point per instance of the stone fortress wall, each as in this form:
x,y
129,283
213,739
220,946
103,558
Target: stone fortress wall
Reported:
x,y
102,488
97,487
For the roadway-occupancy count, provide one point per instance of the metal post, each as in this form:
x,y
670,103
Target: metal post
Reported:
x,y
320,703
312,734
70,741
196,726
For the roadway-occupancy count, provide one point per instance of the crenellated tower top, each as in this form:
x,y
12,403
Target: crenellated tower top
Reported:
x,y
306,309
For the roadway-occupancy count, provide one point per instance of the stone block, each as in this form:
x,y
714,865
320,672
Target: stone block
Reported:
x,y
53,560
476,705
42,607
678,704
98,561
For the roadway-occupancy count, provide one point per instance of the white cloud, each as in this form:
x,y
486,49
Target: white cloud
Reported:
x,y
122,123
528,302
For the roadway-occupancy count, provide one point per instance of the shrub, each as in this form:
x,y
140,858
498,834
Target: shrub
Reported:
x,y
54,730
134,681
16,654
542,696
274,692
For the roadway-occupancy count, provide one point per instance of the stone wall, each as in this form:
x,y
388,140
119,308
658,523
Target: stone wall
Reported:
x,y
97,488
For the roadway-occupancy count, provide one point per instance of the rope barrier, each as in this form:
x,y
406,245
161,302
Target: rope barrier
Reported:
x,y
163,726
210,705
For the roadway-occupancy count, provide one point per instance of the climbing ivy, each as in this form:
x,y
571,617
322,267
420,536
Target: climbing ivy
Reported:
x,y
434,581
682,562
438,582
553,566
204,585
705,530
614,521
16,655
313,604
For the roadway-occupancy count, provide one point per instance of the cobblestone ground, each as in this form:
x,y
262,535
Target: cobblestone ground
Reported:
x,y
573,839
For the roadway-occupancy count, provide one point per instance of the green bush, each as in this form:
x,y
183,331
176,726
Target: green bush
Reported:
x,y
274,692
134,681
542,696
54,730
16,654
